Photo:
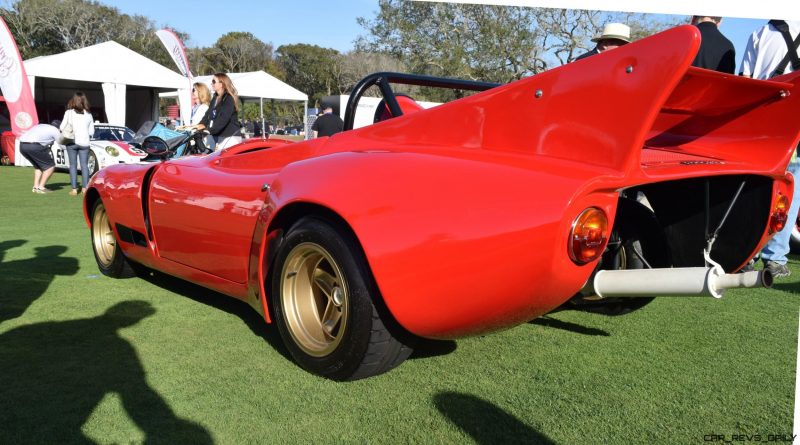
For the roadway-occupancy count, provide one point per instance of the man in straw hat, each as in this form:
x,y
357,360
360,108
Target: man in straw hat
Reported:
x,y
614,35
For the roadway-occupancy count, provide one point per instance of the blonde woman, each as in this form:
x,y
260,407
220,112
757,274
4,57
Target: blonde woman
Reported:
x,y
221,118
79,117
201,97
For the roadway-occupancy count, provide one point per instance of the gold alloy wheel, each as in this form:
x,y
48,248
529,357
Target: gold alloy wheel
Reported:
x,y
105,245
315,299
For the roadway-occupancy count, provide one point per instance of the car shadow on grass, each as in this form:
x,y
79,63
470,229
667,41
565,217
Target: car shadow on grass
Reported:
x,y
485,422
222,302
551,322
54,375
23,281
426,348
423,348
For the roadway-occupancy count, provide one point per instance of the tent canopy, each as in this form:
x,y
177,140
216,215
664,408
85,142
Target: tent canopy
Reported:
x,y
107,62
118,70
259,84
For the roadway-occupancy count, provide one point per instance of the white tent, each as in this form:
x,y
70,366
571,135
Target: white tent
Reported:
x,y
258,85
115,67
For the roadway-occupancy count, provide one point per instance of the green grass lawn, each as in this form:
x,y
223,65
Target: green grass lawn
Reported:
x,y
83,356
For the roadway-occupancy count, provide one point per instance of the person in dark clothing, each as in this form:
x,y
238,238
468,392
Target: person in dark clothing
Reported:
x,y
716,51
328,124
614,35
221,118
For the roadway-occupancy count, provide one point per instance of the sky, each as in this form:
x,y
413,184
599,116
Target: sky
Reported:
x,y
327,23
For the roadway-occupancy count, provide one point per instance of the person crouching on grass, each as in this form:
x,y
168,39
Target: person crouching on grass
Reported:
x,y
34,145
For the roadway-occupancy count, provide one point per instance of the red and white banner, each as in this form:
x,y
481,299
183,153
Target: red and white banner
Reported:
x,y
176,50
14,84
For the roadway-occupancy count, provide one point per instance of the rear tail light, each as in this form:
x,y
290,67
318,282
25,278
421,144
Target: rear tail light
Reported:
x,y
780,214
588,236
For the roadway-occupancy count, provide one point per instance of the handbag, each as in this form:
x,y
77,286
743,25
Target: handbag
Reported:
x,y
67,133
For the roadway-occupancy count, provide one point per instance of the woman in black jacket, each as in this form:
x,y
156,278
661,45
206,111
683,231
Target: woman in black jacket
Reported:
x,y
221,118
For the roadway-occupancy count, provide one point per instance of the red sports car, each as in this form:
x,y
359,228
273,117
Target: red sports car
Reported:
x,y
599,184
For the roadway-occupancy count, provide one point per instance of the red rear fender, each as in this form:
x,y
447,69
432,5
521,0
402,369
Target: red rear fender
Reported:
x,y
443,236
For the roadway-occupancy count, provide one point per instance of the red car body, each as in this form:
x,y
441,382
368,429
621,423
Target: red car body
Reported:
x,y
464,211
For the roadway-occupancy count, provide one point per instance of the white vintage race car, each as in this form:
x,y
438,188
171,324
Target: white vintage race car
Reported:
x,y
108,146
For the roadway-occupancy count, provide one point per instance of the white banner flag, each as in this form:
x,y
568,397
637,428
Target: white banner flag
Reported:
x,y
176,50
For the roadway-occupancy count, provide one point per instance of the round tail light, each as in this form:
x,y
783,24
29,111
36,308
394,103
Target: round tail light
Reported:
x,y
588,236
780,214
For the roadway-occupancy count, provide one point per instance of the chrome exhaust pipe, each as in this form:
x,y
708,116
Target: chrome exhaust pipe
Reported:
x,y
684,281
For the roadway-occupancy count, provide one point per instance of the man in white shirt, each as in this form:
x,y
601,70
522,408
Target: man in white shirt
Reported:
x,y
767,48
767,55
34,145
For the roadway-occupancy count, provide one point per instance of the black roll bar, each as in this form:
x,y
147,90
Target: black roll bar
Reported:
x,y
384,79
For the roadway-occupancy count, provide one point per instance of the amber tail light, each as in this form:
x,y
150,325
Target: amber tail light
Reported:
x,y
588,236
779,214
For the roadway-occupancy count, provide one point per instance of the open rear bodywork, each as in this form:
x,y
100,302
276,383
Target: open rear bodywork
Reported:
x,y
637,123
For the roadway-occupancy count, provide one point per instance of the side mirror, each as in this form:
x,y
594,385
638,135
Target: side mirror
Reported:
x,y
155,146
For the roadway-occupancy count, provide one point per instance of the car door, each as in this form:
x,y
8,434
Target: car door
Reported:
x,y
203,210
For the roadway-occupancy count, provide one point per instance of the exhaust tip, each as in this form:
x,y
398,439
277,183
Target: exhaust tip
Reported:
x,y
767,278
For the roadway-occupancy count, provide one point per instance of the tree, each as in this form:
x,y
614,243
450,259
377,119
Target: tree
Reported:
x,y
353,66
309,68
199,62
237,52
483,42
44,27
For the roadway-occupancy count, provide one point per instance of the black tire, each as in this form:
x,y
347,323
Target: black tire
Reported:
x,y
794,240
637,234
92,163
327,307
109,257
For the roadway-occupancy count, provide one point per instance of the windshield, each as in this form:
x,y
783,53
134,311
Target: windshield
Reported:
x,y
112,134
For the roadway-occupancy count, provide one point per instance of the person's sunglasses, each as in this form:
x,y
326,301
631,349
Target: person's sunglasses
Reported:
x,y
213,81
